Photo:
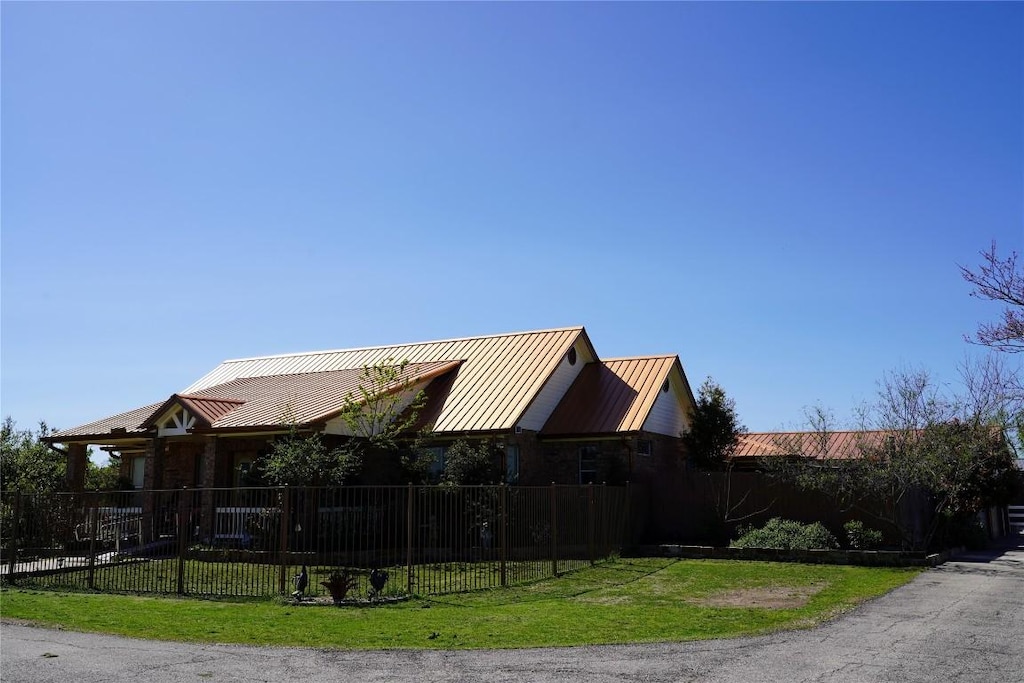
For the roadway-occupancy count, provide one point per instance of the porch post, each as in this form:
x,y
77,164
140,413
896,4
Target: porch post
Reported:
x,y
152,481
206,483
154,476
77,463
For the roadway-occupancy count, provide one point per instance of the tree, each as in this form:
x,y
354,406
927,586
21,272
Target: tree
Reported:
x,y
28,464
468,464
920,445
380,417
298,459
711,441
999,280
383,413
714,427
106,477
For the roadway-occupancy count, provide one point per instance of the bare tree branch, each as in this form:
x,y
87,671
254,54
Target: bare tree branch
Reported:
x,y
999,280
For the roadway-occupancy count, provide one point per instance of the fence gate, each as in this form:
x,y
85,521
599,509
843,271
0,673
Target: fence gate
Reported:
x,y
1016,516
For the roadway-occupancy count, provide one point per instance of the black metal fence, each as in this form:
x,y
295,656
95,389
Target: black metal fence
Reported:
x,y
252,542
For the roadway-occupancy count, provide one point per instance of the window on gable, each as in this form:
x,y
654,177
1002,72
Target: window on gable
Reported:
x,y
644,447
588,464
178,422
173,420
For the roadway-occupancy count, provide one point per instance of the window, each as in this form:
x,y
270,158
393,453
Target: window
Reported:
x,y
512,463
139,471
243,467
644,447
572,356
436,468
588,464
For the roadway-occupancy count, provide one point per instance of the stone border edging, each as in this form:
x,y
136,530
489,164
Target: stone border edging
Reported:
x,y
865,558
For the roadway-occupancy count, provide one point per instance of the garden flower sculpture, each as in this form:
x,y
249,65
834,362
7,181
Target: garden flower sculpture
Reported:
x,y
301,582
378,577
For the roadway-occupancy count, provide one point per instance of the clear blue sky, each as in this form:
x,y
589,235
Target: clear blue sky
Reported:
x,y
779,193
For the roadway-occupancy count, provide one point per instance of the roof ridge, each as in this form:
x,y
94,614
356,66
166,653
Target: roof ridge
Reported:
x,y
641,357
419,343
197,397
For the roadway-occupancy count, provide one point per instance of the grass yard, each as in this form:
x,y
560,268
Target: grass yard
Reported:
x,y
629,600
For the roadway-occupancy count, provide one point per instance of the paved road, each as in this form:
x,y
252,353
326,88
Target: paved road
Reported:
x,y
963,621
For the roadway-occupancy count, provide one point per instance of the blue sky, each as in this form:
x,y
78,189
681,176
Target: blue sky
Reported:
x,y
779,193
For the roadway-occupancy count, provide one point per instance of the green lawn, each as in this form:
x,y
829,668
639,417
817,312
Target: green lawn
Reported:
x,y
635,600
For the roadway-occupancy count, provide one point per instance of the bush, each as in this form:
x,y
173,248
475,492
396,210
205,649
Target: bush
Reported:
x,y
785,534
860,537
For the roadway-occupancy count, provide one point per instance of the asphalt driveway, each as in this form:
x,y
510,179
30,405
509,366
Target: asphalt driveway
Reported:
x,y
963,621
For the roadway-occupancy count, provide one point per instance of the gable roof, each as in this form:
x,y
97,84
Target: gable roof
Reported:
x,y
307,397
615,395
497,379
206,409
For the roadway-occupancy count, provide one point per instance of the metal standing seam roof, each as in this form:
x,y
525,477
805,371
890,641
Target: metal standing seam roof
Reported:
x,y
129,421
500,375
260,401
841,445
205,408
306,397
615,395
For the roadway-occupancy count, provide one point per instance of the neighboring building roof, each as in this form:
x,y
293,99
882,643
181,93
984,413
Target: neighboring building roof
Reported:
x,y
615,395
843,445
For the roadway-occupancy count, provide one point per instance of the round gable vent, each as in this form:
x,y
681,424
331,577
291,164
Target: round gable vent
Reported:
x,y
572,356
664,387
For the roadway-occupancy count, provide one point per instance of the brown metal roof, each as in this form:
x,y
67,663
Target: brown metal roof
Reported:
x,y
304,398
206,409
614,395
499,377
258,402
129,421
843,445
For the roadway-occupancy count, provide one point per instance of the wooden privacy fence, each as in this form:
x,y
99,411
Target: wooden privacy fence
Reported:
x,y
253,541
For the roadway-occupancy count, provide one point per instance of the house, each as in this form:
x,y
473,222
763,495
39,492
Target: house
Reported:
x,y
559,412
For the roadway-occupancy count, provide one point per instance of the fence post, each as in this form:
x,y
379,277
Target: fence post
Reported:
x,y
184,517
628,540
93,524
15,537
408,538
503,493
590,522
554,531
283,545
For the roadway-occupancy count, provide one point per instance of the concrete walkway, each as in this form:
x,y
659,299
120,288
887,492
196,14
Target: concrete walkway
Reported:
x,y
963,621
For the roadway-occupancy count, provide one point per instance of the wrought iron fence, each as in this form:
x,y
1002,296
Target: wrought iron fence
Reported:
x,y
427,540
